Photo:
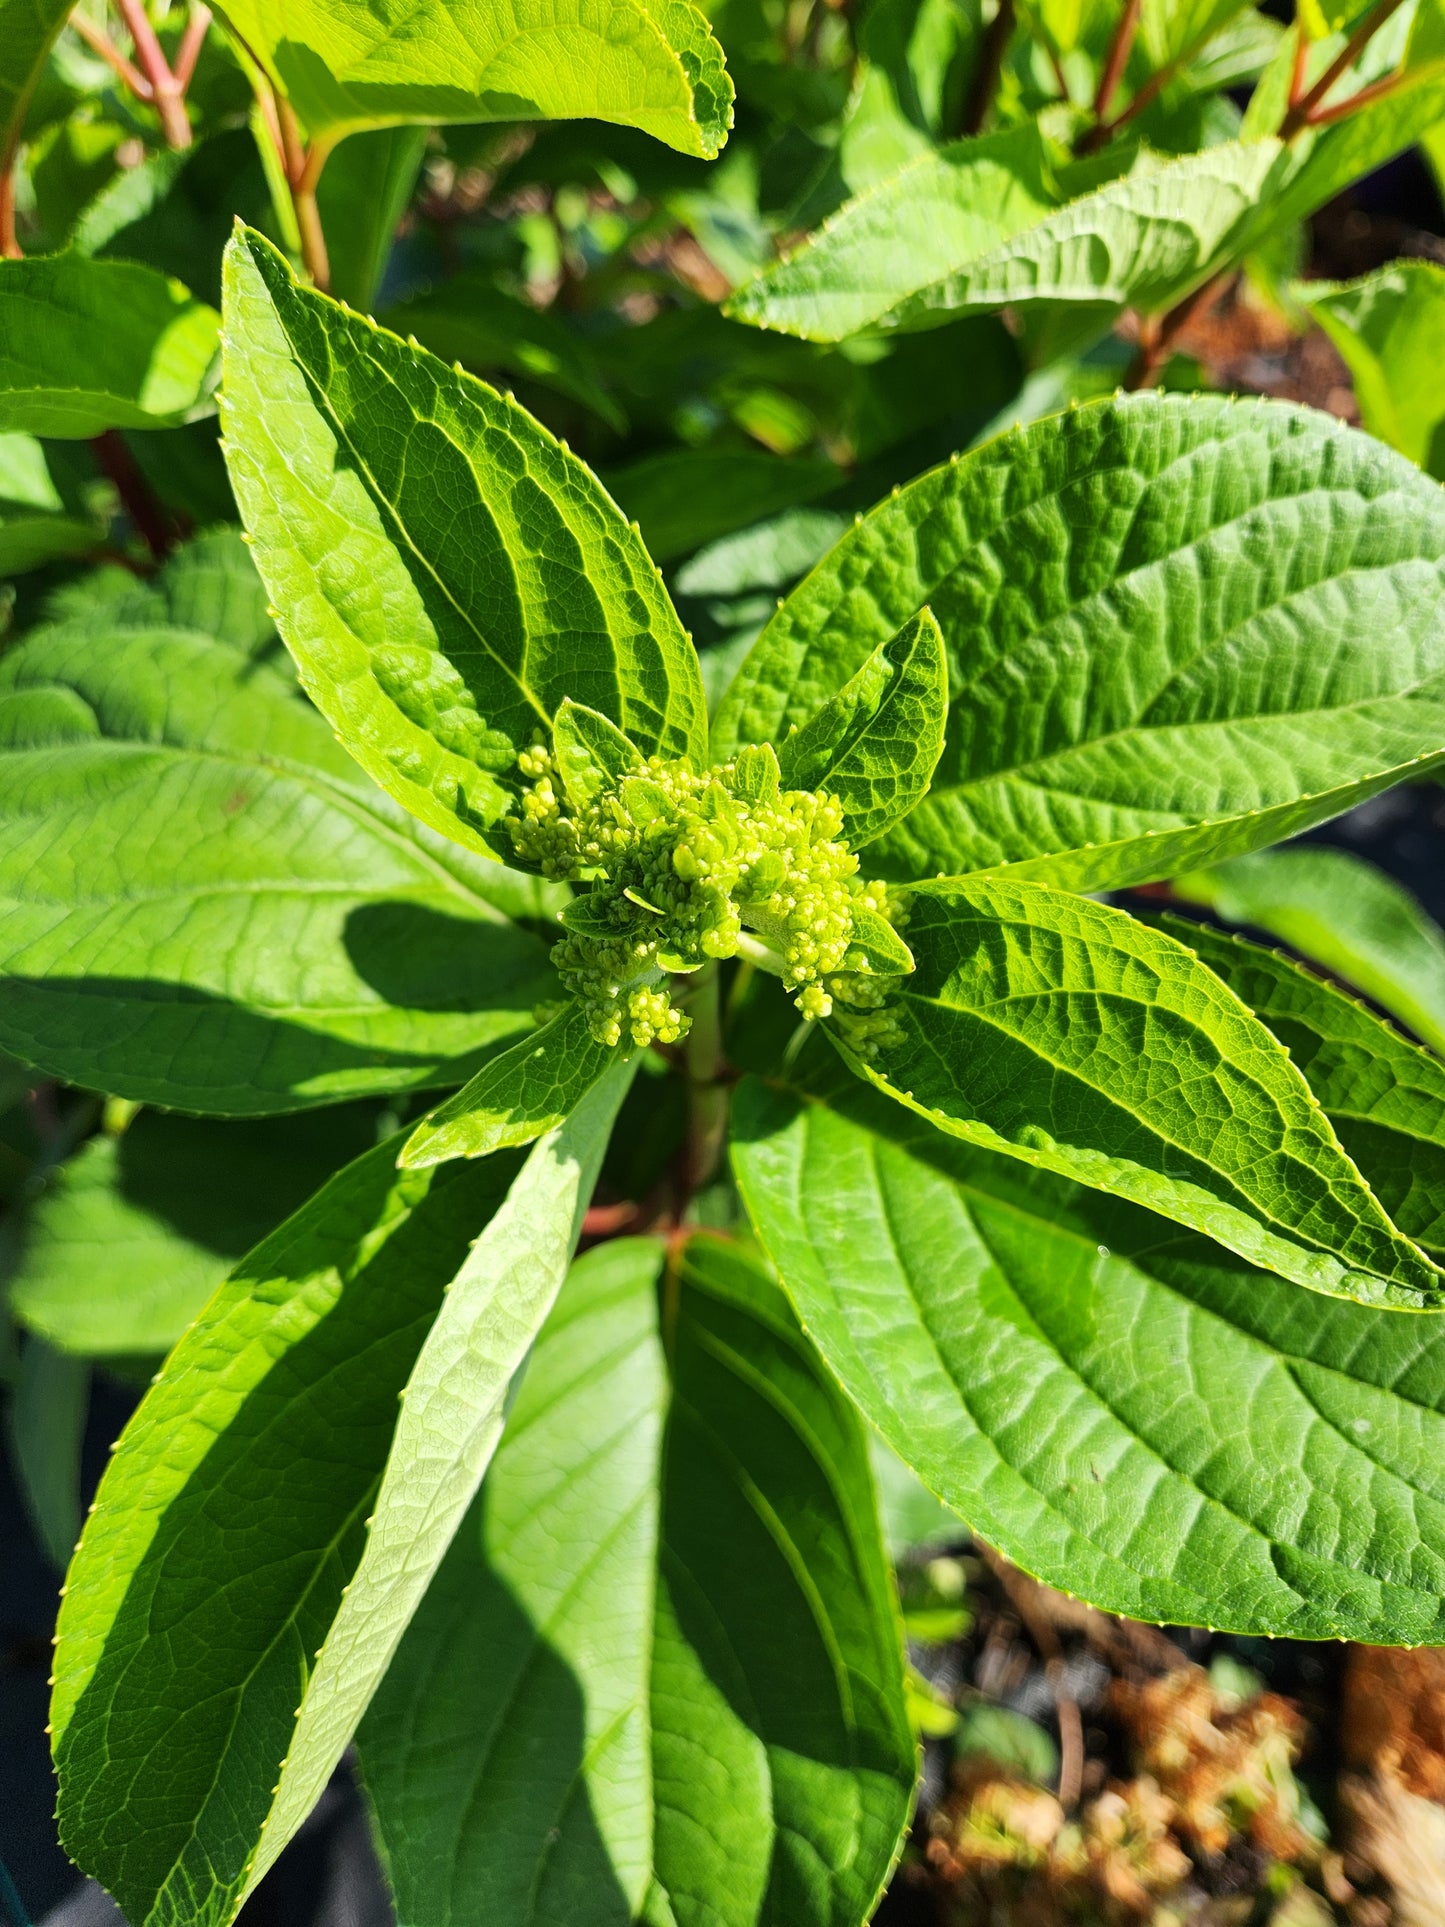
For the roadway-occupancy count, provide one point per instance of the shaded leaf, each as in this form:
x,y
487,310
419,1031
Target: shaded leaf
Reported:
x,y
132,1234
1388,327
1384,1096
875,744
658,1677
1176,628
468,319
1071,1036
687,497
1129,1412
89,345
362,194
27,27
345,64
446,571
206,907
45,1426
1343,914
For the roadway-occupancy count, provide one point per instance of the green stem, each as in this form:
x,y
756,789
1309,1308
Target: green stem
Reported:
x,y
707,1093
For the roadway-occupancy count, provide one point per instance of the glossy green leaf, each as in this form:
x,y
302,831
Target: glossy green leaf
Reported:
x,y
346,64
517,1096
446,572
1343,914
232,1517
1127,1411
1078,1039
45,1428
1141,241
874,260
1176,628
470,320
591,753
450,1422
131,1235
875,744
205,907
29,541
1389,327
659,1676
89,345
1384,1095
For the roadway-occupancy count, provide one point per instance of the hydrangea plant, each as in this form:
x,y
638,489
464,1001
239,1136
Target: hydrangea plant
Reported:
x,y
834,1021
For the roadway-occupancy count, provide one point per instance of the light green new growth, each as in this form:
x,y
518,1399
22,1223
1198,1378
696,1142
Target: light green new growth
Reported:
x,y
679,861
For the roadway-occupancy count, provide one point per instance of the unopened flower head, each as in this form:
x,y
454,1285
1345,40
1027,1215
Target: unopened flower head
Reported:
x,y
677,863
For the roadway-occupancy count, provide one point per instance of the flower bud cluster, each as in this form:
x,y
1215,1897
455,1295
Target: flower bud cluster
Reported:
x,y
678,862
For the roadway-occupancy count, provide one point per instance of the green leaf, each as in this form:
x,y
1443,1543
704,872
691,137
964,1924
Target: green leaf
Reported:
x,y
909,233
875,744
1141,241
45,1427
34,528
361,196
1071,1036
90,345
1343,914
131,1236
1177,629
686,497
517,1096
449,1426
470,320
1388,327
345,64
27,28
591,753
204,905
446,572
659,1676
1132,1414
1384,1096
226,1529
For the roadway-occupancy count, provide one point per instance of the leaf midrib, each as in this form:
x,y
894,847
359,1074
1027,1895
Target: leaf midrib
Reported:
x,y
379,496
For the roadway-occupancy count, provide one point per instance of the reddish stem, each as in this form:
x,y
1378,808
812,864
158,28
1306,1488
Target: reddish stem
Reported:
x,y
1342,109
100,42
189,51
1117,58
136,495
990,66
1154,345
1302,111
168,94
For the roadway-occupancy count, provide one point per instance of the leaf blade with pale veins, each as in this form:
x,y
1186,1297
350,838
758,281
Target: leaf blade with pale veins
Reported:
x,y
206,907
1074,1037
515,1097
1173,626
346,65
258,1451
1343,914
446,572
1130,1413
910,229
681,1587
876,744
1384,1095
